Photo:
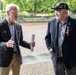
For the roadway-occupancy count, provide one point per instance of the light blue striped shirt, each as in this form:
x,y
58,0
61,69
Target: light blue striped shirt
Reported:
x,y
12,30
61,35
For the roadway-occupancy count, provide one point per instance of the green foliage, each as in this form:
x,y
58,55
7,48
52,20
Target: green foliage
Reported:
x,y
1,5
39,6
2,15
72,5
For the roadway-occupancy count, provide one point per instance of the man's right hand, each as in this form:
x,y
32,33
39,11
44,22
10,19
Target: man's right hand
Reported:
x,y
51,52
10,43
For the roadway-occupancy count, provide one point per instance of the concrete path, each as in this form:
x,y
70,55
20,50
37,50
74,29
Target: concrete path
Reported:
x,y
37,62
41,68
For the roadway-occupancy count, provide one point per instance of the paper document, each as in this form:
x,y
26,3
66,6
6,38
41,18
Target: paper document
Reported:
x,y
32,40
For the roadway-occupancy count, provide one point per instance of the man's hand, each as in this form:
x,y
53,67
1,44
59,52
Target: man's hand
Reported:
x,y
33,44
51,51
10,43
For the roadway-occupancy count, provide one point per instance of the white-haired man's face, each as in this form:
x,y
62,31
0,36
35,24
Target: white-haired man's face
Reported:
x,y
13,14
61,15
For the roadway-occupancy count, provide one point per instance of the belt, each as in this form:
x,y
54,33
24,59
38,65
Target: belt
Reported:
x,y
15,52
60,59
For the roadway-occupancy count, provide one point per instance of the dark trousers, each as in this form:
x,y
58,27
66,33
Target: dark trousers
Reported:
x,y
60,68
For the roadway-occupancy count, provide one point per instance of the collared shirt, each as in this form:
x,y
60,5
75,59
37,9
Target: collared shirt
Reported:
x,y
61,35
12,31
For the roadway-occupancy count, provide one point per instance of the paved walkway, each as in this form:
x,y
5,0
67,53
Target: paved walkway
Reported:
x,y
37,62
41,68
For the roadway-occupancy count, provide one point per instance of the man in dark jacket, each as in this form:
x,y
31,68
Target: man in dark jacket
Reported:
x,y
10,39
61,41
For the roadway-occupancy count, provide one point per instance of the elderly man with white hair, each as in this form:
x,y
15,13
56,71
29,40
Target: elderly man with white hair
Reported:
x,y
10,39
60,40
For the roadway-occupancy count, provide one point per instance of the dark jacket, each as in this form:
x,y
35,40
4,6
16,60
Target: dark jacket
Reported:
x,y
6,54
68,45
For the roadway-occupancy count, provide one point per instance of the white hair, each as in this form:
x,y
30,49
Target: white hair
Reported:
x,y
8,7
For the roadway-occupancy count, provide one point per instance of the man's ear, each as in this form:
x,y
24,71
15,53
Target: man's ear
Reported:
x,y
7,12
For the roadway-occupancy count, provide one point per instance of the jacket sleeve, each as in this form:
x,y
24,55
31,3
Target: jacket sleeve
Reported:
x,y
48,37
2,44
22,42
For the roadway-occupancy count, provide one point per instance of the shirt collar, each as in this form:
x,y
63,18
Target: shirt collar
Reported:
x,y
10,23
64,22
8,20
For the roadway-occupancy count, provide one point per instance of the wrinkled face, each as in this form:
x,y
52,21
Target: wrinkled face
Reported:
x,y
13,14
60,15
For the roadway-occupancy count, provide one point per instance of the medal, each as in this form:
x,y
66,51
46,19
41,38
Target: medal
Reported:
x,y
67,31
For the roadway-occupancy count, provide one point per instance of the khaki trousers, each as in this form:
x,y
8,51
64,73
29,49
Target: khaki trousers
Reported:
x,y
14,67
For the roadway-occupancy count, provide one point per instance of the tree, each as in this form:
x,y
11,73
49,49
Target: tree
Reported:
x,y
72,5
1,5
40,6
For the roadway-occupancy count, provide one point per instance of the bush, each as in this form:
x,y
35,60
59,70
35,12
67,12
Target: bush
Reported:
x,y
2,15
29,15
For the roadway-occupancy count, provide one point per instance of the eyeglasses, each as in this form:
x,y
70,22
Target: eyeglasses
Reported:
x,y
15,12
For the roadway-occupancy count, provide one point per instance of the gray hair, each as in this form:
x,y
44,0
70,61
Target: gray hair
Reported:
x,y
8,7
